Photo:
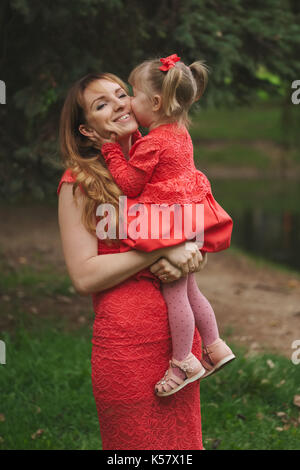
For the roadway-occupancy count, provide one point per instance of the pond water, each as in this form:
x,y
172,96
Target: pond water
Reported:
x,y
266,216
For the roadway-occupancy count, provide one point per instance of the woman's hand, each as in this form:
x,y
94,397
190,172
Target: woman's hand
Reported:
x,y
111,134
185,256
165,271
169,273
114,133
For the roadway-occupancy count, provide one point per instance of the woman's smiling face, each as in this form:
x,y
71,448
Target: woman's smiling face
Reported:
x,y
107,103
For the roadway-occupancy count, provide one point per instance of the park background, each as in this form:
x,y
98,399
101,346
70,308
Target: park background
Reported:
x,y
246,139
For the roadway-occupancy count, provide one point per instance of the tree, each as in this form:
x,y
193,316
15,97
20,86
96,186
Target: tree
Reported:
x,y
46,46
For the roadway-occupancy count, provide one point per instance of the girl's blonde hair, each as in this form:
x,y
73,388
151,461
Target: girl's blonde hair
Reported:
x,y
179,87
83,158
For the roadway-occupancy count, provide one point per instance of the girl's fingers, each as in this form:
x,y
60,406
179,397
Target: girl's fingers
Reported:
x,y
200,259
193,263
185,268
197,260
203,262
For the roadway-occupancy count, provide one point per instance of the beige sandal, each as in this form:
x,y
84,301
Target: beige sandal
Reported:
x,y
171,383
218,354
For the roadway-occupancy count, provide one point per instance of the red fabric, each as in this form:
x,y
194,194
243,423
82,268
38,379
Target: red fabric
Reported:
x,y
169,62
161,170
131,347
68,177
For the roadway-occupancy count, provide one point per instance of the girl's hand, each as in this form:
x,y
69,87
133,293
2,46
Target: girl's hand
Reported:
x,y
165,271
203,262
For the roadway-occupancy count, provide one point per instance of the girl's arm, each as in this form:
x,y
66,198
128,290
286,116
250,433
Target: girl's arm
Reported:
x,y
131,175
89,271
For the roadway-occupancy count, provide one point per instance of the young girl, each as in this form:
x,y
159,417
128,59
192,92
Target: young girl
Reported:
x,y
161,170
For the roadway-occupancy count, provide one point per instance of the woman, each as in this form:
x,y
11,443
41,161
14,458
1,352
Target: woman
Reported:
x,y
131,337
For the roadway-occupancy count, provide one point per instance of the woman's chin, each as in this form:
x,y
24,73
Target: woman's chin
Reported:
x,y
130,128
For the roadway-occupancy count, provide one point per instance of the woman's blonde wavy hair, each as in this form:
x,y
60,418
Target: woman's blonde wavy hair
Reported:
x,y
84,159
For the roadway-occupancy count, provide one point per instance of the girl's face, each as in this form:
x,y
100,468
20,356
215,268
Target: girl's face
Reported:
x,y
107,103
142,107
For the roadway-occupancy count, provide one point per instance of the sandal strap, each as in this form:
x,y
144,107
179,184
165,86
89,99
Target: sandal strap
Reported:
x,y
207,365
188,365
170,380
216,351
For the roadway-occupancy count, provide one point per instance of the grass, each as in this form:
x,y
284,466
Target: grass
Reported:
x,y
235,133
38,279
47,401
274,197
37,282
46,391
249,404
236,155
39,291
261,121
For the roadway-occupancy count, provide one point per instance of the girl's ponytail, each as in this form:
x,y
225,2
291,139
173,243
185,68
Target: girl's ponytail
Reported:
x,y
200,74
169,89
178,84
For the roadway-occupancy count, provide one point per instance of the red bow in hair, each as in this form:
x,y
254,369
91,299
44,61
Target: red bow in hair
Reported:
x,y
169,62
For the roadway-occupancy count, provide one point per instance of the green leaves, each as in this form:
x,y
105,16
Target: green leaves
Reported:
x,y
45,49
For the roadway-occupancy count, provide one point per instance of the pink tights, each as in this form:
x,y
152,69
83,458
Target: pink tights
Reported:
x,y
187,306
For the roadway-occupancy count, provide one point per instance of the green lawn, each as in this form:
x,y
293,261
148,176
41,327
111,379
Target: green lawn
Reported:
x,y
47,401
263,121
249,404
46,391
260,121
272,196
231,155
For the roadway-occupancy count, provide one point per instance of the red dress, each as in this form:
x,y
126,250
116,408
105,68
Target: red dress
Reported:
x,y
131,347
161,171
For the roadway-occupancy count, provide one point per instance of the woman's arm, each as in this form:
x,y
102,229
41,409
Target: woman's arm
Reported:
x,y
89,271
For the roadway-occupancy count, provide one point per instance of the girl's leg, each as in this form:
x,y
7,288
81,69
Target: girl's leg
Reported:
x,y
216,353
203,312
181,319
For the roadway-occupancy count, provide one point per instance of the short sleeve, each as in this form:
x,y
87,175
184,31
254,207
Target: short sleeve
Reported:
x,y
67,177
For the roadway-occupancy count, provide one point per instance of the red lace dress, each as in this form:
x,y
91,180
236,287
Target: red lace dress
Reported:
x,y
131,347
161,171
